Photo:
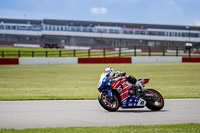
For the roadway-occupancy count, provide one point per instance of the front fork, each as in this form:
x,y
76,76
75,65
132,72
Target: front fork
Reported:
x,y
109,92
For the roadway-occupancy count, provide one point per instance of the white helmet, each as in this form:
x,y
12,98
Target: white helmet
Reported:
x,y
109,71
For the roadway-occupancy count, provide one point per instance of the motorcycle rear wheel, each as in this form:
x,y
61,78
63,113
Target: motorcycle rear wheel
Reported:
x,y
155,104
110,104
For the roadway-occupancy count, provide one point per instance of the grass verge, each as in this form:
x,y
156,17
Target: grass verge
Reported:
x,y
176,128
79,81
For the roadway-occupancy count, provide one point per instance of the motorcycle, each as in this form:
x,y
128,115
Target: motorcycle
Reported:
x,y
125,94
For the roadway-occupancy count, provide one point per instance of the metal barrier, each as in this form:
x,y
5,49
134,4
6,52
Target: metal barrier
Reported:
x,y
117,52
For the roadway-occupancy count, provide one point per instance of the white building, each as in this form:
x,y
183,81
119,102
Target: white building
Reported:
x,y
96,34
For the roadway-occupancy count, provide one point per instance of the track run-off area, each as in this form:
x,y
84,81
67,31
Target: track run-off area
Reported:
x,y
73,113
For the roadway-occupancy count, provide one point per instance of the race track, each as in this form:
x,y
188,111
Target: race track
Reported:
x,y
70,113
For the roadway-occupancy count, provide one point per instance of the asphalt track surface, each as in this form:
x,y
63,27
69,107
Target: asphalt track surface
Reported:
x,y
73,113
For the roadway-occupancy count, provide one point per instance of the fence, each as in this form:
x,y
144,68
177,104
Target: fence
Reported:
x,y
117,52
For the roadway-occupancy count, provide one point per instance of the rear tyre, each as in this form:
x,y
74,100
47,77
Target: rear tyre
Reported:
x,y
110,104
157,102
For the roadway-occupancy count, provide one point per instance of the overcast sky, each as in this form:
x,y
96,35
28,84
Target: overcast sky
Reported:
x,y
173,12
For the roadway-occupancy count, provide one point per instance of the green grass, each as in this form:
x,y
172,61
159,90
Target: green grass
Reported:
x,y
79,81
176,128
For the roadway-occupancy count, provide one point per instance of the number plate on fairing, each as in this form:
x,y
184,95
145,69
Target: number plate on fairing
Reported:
x,y
133,102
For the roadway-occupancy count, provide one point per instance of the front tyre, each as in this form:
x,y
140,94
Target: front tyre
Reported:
x,y
156,103
110,104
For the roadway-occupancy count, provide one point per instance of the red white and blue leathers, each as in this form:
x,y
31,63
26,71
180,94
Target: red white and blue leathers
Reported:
x,y
115,82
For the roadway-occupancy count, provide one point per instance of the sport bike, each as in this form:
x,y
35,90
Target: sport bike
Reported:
x,y
122,93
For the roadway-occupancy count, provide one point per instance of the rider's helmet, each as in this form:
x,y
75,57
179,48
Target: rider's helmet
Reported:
x,y
109,71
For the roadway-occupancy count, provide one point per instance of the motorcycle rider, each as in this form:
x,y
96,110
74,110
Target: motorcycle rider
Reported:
x,y
111,78
117,90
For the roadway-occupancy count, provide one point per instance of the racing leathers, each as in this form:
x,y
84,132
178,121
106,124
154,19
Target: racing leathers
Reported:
x,y
113,81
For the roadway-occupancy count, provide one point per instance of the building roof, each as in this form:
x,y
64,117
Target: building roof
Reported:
x,y
21,21
95,23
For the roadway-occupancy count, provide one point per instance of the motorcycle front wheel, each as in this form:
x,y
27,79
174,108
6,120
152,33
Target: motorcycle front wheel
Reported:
x,y
110,104
157,102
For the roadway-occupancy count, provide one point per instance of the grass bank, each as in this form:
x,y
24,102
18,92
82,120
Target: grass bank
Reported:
x,y
176,128
79,81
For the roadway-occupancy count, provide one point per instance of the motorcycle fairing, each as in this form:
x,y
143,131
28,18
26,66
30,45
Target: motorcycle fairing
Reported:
x,y
122,88
144,80
133,102
104,82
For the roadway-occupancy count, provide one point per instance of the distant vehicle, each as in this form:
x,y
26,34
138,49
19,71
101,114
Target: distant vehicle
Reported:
x,y
51,45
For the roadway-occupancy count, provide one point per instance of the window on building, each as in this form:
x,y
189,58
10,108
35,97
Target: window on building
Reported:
x,y
160,33
104,30
91,30
152,32
1,27
137,32
7,27
84,29
78,29
125,31
193,34
13,27
23,27
116,31
111,31
99,31
35,27
130,31
73,28
54,28
142,32
57,28
184,34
